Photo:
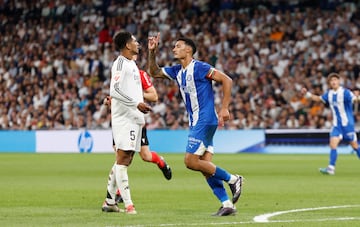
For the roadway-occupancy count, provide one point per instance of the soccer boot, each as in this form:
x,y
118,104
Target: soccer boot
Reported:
x,y
225,211
166,170
130,210
236,188
109,208
327,171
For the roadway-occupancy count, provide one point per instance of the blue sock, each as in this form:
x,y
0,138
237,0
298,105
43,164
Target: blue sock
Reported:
x,y
218,188
358,152
221,174
333,157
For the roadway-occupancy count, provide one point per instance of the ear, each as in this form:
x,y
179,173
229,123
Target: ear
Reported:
x,y
188,49
127,45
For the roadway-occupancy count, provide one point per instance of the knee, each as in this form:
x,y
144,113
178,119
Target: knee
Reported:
x,y
190,163
124,158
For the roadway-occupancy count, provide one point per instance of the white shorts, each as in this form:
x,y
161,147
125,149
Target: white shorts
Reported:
x,y
127,136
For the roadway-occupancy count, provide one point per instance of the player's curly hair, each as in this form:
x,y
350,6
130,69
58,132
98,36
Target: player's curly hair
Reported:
x,y
189,42
120,40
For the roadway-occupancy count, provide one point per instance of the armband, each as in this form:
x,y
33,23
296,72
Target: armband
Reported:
x,y
211,73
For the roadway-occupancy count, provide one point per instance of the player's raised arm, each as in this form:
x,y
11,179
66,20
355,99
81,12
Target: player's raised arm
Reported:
x,y
154,69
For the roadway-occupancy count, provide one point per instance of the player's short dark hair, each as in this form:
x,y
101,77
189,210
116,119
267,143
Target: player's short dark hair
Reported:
x,y
120,40
189,42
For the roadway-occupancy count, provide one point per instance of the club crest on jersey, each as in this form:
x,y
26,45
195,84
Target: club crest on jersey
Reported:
x,y
132,144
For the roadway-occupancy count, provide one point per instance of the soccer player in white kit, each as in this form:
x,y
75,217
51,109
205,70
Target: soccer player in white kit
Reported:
x,y
127,116
340,101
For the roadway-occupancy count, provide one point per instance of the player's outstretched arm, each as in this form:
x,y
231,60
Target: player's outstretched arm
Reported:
x,y
308,95
154,69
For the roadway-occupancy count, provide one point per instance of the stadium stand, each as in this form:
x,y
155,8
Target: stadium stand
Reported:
x,y
55,58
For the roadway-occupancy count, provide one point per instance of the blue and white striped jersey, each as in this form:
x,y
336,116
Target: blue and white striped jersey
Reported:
x,y
341,104
196,91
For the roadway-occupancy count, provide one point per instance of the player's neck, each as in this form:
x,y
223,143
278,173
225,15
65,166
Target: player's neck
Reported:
x,y
336,88
127,54
185,62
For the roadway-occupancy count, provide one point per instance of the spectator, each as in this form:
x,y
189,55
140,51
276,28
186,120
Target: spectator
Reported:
x,y
62,51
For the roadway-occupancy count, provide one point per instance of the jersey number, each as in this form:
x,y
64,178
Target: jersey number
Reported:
x,y
132,135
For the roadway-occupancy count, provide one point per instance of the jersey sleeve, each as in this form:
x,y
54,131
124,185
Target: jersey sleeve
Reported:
x,y
325,97
207,69
145,80
171,71
117,88
349,96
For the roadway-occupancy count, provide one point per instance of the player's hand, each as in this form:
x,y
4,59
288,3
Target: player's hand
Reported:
x,y
143,107
303,91
224,115
153,42
107,101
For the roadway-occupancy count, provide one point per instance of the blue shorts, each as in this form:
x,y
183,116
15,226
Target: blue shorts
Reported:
x,y
347,133
200,139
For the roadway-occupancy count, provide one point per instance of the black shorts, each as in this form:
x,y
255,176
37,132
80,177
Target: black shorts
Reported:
x,y
144,139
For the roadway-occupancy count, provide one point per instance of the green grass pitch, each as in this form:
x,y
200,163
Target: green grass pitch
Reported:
x,y
68,190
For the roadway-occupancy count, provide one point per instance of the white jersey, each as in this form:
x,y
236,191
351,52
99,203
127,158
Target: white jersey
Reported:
x,y
126,92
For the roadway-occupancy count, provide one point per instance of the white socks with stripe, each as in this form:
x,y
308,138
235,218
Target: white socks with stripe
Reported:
x,y
122,181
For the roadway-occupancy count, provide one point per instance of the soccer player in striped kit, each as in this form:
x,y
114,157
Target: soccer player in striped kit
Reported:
x,y
340,101
194,79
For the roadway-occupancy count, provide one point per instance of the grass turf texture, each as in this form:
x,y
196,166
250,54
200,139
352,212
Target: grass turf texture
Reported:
x,y
68,190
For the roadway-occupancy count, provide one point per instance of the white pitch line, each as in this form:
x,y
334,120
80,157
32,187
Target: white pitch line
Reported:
x,y
265,217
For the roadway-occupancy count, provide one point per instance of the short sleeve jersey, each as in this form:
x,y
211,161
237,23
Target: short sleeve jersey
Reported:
x,y
196,91
341,104
145,80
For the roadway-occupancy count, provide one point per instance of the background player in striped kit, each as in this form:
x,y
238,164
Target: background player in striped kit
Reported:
x,y
340,101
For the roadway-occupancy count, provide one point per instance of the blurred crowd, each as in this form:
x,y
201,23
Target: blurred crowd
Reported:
x,y
55,58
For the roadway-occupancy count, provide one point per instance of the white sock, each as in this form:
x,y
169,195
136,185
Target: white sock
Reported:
x,y
232,180
122,181
111,186
227,203
331,167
